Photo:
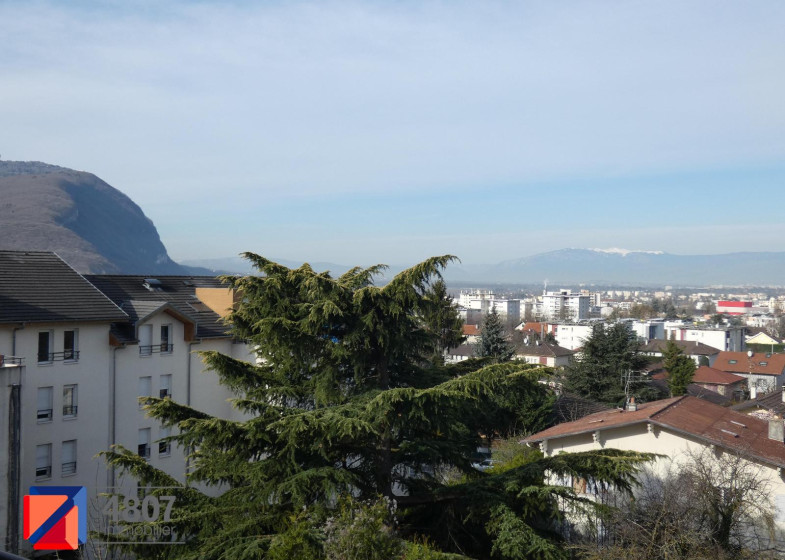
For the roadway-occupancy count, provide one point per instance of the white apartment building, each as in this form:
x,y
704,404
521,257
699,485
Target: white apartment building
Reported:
x,y
563,304
77,353
730,339
485,300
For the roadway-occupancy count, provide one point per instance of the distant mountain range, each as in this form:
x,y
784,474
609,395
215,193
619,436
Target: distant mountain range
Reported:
x,y
591,266
97,229
90,224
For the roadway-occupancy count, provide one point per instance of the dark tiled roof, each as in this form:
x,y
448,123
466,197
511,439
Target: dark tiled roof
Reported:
x,y
38,286
657,346
544,349
771,402
178,291
467,350
690,416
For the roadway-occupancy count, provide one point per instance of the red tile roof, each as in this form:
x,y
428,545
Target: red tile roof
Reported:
x,y
471,330
760,363
706,374
689,416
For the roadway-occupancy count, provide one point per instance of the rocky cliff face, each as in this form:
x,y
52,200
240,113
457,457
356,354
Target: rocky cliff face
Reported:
x,y
90,224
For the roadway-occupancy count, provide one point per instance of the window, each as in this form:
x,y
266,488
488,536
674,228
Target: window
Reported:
x,y
69,400
166,386
43,461
164,447
45,347
146,340
145,388
70,345
166,339
44,413
69,457
144,443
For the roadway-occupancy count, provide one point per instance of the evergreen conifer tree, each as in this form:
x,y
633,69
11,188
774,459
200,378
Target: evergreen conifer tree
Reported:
x,y
680,374
345,403
493,341
608,359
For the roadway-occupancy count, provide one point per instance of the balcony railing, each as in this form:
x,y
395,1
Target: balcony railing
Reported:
x,y
65,355
44,415
144,450
11,361
164,448
164,393
70,410
147,349
69,468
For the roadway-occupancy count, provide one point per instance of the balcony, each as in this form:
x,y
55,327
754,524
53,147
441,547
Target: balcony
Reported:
x,y
148,349
11,361
64,356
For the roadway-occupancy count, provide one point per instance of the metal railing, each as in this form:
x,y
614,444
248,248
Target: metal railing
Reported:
x,y
65,355
144,450
69,468
11,361
70,410
148,349
44,414
164,448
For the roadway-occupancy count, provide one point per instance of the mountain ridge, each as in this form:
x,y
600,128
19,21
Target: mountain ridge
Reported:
x,y
90,224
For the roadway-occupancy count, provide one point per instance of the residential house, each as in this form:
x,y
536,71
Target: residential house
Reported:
x,y
677,428
695,350
765,372
544,353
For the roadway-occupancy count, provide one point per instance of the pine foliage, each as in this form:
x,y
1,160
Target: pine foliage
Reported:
x,y
493,340
609,358
345,401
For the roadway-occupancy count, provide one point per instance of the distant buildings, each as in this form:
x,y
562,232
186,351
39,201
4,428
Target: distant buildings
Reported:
x,y
564,304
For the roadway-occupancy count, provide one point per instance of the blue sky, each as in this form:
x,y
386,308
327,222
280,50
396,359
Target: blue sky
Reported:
x,y
361,132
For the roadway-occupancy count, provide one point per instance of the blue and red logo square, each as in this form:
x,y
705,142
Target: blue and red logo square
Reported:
x,y
55,517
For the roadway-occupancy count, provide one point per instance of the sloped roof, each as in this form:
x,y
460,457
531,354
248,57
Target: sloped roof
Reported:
x,y
706,374
178,291
772,402
689,416
543,349
691,348
40,287
467,350
760,363
762,338
471,330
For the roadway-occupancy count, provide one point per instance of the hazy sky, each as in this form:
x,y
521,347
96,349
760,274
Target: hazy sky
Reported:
x,y
360,132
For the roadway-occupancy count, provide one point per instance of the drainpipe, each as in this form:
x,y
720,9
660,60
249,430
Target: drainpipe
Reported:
x,y
14,453
188,397
113,410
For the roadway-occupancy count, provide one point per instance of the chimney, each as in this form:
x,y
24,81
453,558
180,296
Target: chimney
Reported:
x,y
632,406
777,430
753,392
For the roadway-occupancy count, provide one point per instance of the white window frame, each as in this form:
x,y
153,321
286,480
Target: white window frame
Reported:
x,y
74,404
43,461
49,405
68,461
